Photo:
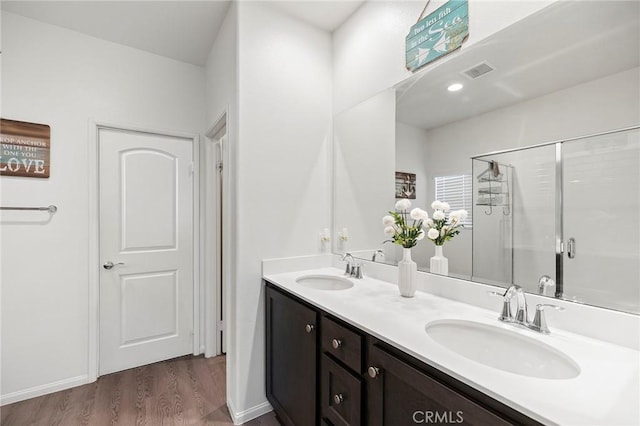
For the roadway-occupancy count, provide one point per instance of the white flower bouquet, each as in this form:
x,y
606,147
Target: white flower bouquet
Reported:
x,y
396,224
441,228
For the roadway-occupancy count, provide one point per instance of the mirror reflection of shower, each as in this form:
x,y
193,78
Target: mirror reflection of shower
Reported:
x,y
493,224
565,211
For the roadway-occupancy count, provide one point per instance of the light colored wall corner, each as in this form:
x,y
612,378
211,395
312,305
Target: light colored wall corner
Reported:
x,y
283,199
242,417
221,71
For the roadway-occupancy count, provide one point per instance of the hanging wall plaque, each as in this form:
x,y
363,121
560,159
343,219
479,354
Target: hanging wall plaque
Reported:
x,y
405,185
437,34
24,149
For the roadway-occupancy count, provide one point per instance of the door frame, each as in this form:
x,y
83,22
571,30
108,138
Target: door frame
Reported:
x,y
216,284
94,236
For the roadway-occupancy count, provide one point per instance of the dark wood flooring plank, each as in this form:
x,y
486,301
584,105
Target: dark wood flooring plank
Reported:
x,y
52,409
21,413
81,400
211,395
188,391
104,410
127,410
183,391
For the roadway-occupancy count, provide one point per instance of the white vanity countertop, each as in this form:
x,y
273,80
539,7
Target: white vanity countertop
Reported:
x,y
606,392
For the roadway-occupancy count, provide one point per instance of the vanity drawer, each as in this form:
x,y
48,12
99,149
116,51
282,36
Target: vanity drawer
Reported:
x,y
343,343
340,394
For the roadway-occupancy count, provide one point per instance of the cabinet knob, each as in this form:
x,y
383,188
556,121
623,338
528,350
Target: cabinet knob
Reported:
x,y
309,328
336,343
373,372
338,398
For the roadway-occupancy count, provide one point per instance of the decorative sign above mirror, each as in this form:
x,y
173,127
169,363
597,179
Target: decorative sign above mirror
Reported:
x,y
437,34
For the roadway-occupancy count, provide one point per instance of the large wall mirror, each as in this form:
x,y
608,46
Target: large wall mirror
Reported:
x,y
541,146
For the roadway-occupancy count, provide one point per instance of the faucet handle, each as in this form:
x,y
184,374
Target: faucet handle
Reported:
x,y
539,322
506,314
544,282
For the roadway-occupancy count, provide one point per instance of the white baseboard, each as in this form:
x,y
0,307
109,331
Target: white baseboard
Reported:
x,y
248,414
44,389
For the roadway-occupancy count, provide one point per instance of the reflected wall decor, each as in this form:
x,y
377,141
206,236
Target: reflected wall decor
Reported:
x,y
406,185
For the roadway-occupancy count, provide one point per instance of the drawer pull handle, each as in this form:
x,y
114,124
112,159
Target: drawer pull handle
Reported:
x,y
338,398
309,328
373,372
336,343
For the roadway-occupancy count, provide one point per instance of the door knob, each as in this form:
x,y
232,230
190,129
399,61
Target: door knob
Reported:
x,y
109,264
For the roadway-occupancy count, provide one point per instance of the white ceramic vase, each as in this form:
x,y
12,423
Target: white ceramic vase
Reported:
x,y
407,274
439,264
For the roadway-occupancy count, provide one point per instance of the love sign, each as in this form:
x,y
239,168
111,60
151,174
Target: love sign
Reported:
x,y
24,149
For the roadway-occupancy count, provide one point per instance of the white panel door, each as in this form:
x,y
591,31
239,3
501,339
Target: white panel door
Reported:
x,y
146,232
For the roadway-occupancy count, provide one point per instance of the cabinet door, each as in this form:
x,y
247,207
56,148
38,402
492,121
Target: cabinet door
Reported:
x,y
400,394
291,359
340,394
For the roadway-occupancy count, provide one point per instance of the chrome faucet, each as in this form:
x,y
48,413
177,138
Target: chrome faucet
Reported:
x,y
521,308
376,254
349,259
521,317
544,282
353,268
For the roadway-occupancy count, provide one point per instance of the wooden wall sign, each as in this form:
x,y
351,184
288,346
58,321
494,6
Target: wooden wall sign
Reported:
x,y
24,149
406,185
437,34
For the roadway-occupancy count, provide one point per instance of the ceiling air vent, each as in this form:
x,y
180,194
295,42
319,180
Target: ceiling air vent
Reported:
x,y
478,70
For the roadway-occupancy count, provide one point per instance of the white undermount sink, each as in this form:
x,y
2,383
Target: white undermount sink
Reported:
x,y
502,349
324,282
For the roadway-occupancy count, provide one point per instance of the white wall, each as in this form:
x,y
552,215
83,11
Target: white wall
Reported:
x,y
369,47
364,172
412,155
64,79
283,169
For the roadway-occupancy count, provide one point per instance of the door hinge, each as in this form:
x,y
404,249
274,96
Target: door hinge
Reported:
x,y
220,326
220,166
192,168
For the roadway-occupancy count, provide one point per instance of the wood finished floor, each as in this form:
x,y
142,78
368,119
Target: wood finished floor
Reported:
x,y
182,391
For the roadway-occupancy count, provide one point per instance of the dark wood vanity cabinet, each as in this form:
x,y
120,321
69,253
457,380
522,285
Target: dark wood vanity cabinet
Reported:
x,y
292,358
337,375
341,389
401,394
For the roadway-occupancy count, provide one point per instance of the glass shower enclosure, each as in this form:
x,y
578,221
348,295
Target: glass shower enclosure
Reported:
x,y
562,219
